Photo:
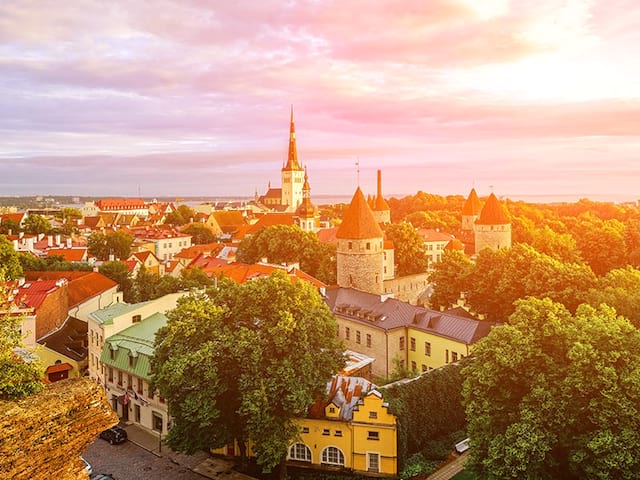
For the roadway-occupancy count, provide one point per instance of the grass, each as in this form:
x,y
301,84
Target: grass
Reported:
x,y
465,475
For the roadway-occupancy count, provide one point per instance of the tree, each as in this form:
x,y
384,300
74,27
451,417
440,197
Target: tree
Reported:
x,y
9,226
561,246
119,273
555,395
144,285
68,213
10,267
200,233
449,278
290,244
52,262
409,253
243,362
183,214
117,244
619,289
36,224
601,243
18,377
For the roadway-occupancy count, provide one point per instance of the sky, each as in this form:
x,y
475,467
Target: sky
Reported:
x,y
192,97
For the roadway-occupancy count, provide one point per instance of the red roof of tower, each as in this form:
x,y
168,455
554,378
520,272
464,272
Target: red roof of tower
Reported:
x,y
358,221
380,204
292,159
472,206
493,213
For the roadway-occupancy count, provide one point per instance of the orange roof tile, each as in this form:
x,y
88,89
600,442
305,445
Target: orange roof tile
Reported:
x,y
88,286
269,220
69,254
358,221
431,235
455,244
60,367
493,213
327,235
472,206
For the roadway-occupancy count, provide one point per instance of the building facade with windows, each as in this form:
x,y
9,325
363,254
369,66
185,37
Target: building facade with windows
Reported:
x,y
400,335
126,358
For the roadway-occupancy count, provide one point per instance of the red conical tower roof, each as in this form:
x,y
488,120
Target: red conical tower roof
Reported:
x,y
493,213
472,206
358,221
292,158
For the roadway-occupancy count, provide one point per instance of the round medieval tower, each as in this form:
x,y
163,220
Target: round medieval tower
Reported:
x,y
493,228
360,249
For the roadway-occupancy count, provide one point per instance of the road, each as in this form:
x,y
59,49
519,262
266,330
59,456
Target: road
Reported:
x,y
127,461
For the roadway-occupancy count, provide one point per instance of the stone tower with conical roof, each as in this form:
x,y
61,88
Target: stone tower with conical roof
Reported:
x,y
470,211
360,249
381,210
307,215
492,229
292,174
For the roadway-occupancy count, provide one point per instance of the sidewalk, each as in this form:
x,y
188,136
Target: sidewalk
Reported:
x,y
200,462
450,469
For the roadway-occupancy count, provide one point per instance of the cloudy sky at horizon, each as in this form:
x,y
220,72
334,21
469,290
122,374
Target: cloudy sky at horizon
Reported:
x,y
192,97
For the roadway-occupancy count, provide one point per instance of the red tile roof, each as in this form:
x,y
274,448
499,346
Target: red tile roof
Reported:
x,y
358,221
61,367
69,254
84,288
32,294
455,244
120,203
328,235
493,213
242,272
269,220
431,235
472,206
195,250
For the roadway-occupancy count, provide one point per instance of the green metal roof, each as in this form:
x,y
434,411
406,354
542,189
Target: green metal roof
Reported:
x,y
135,341
106,315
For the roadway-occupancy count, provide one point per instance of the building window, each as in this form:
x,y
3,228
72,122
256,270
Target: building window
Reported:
x,y
110,374
305,429
373,435
347,333
427,349
401,343
132,361
338,433
299,452
368,339
332,409
413,344
414,367
157,421
424,368
446,356
332,456
368,245
119,378
326,432
139,389
112,353
373,414
136,410
136,318
129,381
373,464
350,245
357,336
454,356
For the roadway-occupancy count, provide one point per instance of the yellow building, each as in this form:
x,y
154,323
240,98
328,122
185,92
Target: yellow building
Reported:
x,y
354,431
396,333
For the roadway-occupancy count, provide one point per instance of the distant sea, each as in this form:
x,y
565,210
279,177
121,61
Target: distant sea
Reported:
x,y
546,198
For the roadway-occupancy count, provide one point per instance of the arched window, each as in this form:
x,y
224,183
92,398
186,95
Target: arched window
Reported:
x,y
300,452
332,456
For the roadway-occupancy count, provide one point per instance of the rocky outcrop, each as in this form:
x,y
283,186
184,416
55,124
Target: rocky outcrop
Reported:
x,y
43,436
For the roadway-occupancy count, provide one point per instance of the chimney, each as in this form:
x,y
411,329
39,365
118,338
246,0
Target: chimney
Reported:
x,y
69,242
58,240
49,241
112,257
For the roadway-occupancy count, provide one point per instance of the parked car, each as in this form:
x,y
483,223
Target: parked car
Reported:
x,y
114,435
103,476
87,466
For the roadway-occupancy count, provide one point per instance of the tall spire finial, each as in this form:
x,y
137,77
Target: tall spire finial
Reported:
x,y
292,114
292,158
358,170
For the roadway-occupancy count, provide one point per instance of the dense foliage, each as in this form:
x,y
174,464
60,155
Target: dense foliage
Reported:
x,y
183,214
289,244
10,266
17,377
200,233
243,362
118,244
409,251
428,408
52,262
555,395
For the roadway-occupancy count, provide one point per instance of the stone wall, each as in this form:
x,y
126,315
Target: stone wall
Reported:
x,y
53,311
492,236
408,288
360,267
43,436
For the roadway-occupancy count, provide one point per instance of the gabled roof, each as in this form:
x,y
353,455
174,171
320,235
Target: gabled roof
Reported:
x,y
106,315
387,314
269,220
242,272
328,235
69,340
455,244
69,254
93,222
120,203
358,221
15,217
88,286
194,250
431,235
229,217
32,294
493,213
472,206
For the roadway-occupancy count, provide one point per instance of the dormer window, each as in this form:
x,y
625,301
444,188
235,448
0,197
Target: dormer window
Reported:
x,y
136,318
132,361
112,353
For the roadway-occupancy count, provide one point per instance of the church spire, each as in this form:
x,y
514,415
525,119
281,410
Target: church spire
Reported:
x,y
292,159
